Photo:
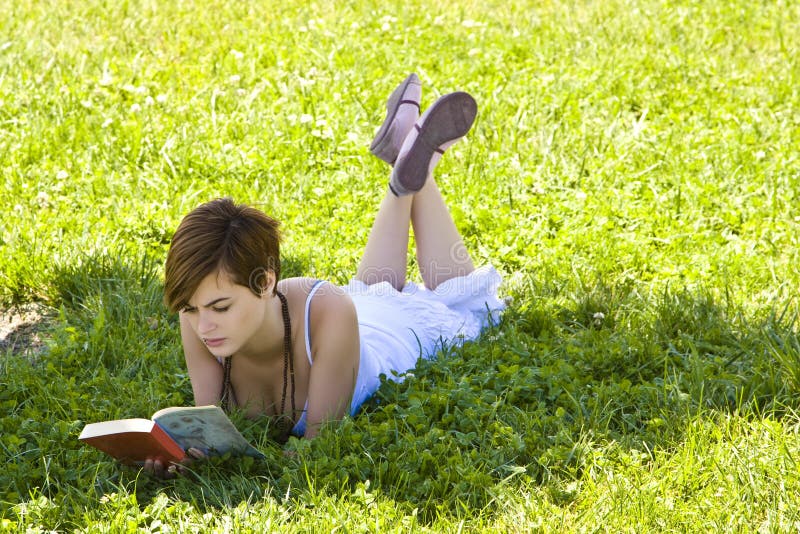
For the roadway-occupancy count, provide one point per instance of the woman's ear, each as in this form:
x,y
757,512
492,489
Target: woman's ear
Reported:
x,y
270,281
263,282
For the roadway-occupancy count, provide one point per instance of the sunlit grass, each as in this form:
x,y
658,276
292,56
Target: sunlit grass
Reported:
x,y
634,173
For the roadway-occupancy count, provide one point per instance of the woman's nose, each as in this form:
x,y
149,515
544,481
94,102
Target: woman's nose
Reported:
x,y
205,324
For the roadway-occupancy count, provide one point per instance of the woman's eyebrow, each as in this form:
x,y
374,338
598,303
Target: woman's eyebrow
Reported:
x,y
215,301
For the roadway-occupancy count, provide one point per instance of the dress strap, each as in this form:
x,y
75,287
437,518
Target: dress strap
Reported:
x,y
314,288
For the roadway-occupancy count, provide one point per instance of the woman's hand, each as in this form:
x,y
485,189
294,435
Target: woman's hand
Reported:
x,y
158,469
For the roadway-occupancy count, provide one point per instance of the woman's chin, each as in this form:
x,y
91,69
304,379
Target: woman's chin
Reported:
x,y
224,349
221,351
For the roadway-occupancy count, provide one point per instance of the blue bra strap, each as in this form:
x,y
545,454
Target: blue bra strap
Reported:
x,y
314,289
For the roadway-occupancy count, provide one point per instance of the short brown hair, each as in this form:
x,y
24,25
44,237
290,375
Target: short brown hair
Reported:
x,y
222,236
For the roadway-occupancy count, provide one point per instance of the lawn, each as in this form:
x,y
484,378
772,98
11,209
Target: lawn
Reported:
x,y
634,173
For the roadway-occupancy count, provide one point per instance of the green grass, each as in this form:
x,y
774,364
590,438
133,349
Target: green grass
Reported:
x,y
634,172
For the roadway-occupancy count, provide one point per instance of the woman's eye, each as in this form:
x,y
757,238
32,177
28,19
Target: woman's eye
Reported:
x,y
189,310
220,310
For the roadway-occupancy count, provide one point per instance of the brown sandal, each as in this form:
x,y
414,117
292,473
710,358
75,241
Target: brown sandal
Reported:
x,y
448,119
391,134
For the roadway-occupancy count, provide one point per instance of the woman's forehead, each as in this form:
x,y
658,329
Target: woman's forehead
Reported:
x,y
216,284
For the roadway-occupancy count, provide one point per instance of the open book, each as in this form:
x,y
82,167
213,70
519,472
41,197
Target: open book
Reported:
x,y
168,434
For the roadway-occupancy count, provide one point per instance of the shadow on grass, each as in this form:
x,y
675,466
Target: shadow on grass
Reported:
x,y
565,379
561,383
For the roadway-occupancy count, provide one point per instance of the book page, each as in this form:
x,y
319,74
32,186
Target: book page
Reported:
x,y
120,426
206,428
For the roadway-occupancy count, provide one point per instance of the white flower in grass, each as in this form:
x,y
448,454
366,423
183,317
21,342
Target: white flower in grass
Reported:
x,y
106,123
149,101
43,199
234,78
136,108
308,81
236,54
324,133
760,155
305,118
62,175
161,99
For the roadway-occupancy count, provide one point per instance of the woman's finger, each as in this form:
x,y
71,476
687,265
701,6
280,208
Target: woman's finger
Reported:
x,y
160,470
197,454
148,466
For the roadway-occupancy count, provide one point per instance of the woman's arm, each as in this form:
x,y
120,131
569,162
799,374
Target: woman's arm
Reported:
x,y
335,355
205,372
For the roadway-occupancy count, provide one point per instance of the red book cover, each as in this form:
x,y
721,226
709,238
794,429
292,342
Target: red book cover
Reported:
x,y
170,432
132,441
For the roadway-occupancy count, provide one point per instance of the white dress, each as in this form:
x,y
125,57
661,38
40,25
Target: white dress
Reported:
x,y
398,327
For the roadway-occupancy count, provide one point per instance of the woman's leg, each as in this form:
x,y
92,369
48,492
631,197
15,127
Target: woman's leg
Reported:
x,y
441,253
385,257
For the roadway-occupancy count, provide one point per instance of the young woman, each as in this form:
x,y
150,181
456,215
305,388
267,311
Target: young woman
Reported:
x,y
306,351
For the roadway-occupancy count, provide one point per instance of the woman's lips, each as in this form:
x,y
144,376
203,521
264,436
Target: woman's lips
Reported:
x,y
215,342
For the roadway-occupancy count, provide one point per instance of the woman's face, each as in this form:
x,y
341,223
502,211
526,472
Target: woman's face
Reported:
x,y
223,314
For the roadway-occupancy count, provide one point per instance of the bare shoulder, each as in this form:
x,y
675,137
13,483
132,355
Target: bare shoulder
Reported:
x,y
296,285
330,303
327,293
331,298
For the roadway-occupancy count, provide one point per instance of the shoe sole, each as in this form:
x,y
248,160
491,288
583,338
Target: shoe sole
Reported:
x,y
382,143
448,119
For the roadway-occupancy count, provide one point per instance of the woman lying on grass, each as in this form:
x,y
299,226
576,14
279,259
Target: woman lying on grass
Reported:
x,y
306,351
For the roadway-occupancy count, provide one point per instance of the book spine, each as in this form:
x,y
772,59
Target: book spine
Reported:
x,y
172,446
